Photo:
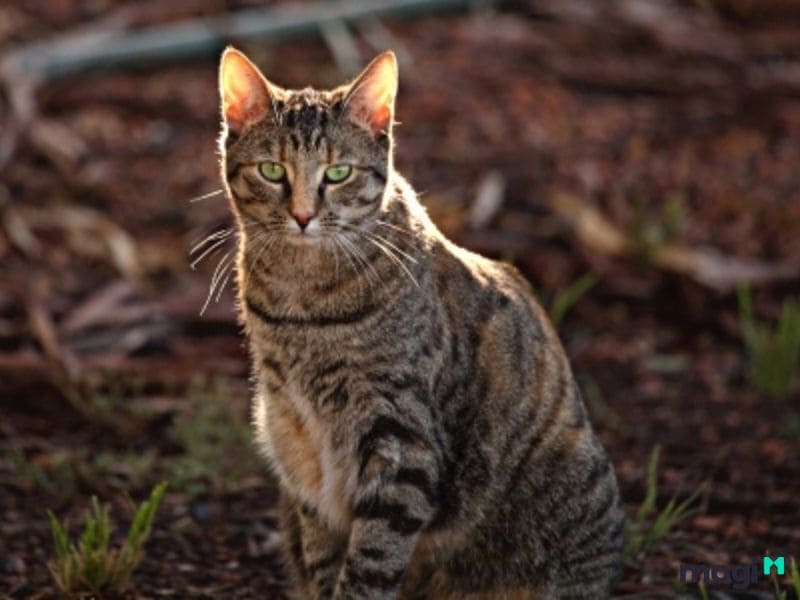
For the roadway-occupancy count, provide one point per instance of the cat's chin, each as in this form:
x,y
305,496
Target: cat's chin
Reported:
x,y
304,239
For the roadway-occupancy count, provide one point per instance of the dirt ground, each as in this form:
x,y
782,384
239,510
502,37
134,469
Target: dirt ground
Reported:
x,y
654,146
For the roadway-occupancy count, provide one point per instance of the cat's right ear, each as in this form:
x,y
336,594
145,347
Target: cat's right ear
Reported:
x,y
245,92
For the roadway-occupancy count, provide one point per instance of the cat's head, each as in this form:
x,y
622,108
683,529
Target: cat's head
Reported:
x,y
306,164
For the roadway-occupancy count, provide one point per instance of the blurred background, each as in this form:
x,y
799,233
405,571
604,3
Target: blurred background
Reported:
x,y
638,160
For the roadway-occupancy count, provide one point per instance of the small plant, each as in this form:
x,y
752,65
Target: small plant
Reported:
x,y
91,566
599,407
50,472
215,440
794,581
107,403
650,231
642,532
126,469
774,352
567,298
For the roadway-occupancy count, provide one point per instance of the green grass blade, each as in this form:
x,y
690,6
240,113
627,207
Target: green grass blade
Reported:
x,y
143,519
60,537
794,577
651,494
570,296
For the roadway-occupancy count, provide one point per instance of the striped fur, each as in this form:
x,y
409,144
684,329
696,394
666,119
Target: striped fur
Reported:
x,y
411,396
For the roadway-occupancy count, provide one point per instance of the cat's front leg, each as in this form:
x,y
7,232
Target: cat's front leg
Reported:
x,y
394,501
323,552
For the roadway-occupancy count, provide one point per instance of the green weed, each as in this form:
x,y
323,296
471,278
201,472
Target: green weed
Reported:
x,y
794,581
599,407
50,473
774,352
107,403
216,444
125,470
642,532
650,231
93,567
564,301
794,577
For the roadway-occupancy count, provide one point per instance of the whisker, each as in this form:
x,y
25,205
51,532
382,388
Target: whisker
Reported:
x,y
395,259
231,269
379,242
221,266
358,253
395,227
348,255
214,236
269,241
411,238
352,251
340,244
207,196
207,251
218,237
390,244
214,280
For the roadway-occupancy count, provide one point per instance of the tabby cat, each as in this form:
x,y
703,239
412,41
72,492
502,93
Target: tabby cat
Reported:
x,y
411,396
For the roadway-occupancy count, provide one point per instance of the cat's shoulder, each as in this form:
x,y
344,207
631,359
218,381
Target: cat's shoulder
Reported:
x,y
452,260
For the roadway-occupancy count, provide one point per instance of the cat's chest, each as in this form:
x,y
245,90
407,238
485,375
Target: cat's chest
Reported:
x,y
300,445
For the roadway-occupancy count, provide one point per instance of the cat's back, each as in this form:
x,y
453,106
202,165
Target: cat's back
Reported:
x,y
517,429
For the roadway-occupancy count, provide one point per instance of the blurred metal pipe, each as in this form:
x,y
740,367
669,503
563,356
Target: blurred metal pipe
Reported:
x,y
71,53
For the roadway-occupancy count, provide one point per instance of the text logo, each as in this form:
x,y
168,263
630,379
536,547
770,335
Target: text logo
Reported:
x,y
738,577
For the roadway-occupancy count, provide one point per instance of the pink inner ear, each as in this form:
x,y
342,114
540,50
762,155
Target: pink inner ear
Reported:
x,y
380,119
245,98
373,94
372,103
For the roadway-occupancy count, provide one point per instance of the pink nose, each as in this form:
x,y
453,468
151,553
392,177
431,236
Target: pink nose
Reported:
x,y
302,217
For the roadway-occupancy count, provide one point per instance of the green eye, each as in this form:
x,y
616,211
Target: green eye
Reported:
x,y
337,173
272,171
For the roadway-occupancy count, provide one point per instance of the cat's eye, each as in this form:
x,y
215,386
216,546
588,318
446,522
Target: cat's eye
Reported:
x,y
337,173
272,171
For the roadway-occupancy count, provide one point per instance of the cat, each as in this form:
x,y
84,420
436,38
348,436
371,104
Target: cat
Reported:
x,y
412,398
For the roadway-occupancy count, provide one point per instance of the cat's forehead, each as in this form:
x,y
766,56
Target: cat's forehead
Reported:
x,y
303,123
298,106
310,96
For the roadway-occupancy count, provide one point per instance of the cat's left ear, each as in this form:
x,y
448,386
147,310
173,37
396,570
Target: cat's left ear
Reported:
x,y
370,99
246,94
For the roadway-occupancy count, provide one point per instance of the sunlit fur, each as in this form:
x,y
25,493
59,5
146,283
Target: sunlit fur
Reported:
x,y
411,396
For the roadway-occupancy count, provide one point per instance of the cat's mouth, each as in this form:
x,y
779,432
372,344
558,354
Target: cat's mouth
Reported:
x,y
304,237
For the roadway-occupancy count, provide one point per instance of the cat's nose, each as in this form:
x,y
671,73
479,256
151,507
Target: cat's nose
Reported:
x,y
303,217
